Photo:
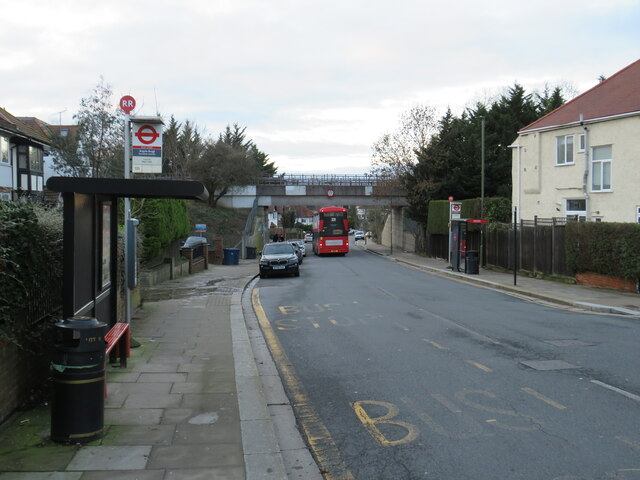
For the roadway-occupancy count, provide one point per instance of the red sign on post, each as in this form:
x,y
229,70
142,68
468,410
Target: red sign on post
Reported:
x,y
147,134
127,103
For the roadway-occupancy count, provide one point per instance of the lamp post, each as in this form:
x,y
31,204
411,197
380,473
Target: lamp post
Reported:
x,y
480,259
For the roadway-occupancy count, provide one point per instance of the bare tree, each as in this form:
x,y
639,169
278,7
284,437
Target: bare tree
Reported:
x,y
100,132
394,153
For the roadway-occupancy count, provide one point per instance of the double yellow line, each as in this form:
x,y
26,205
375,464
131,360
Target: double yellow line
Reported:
x,y
320,441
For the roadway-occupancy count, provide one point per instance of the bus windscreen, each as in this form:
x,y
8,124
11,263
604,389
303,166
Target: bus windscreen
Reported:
x,y
333,224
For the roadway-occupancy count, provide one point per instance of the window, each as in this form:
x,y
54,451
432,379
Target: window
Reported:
x,y
4,150
35,157
601,168
7,196
564,150
581,143
576,209
638,212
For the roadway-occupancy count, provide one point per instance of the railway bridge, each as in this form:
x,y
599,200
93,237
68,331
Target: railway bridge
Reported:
x,y
325,191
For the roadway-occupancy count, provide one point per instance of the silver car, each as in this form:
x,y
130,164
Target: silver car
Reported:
x,y
303,248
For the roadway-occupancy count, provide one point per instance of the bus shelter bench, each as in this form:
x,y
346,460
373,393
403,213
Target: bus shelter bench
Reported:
x,y
118,345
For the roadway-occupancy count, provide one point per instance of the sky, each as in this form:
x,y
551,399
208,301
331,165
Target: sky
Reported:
x,y
315,83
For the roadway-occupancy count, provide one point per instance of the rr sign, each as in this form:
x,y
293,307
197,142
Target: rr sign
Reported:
x,y
127,103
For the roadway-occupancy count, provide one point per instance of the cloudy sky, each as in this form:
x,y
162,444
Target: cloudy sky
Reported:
x,y
316,83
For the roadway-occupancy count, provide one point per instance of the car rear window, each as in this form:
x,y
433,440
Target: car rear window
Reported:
x,y
276,249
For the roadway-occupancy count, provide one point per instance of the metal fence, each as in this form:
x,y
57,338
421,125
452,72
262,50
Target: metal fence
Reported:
x,y
332,180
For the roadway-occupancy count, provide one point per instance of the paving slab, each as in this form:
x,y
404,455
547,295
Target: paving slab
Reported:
x,y
132,416
139,435
196,456
110,458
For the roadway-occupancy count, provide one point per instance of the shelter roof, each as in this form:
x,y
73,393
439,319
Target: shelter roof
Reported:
x,y
130,187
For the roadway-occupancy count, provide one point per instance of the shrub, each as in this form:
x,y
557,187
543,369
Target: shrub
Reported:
x,y
30,270
606,248
161,222
497,209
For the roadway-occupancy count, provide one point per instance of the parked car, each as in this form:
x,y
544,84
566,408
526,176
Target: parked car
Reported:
x,y
279,259
303,248
192,242
298,250
358,235
308,237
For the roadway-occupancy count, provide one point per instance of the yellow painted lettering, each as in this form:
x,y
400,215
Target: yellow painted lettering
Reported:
x,y
371,424
289,309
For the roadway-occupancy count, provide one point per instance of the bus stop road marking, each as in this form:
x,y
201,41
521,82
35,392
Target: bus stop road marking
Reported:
x,y
546,400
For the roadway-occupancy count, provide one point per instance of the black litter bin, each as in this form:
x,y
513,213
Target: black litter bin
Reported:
x,y
231,256
472,263
77,407
250,252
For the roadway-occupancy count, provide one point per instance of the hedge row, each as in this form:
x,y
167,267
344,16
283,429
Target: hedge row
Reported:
x,y
497,209
161,222
30,269
606,248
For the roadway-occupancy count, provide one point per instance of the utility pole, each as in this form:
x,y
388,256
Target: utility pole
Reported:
x,y
480,259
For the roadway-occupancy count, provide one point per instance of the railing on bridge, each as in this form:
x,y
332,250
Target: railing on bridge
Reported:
x,y
328,179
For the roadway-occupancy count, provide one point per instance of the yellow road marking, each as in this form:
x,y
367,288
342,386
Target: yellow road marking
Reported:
x,y
318,436
333,320
392,412
402,327
479,365
546,400
437,345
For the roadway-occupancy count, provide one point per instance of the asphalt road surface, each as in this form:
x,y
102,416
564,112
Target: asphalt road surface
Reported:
x,y
398,374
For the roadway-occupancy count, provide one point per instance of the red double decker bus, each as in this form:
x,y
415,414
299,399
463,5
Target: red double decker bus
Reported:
x,y
330,231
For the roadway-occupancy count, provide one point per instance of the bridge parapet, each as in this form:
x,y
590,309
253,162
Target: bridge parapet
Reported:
x,y
323,180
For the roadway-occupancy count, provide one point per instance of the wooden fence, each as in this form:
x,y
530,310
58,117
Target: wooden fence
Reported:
x,y
540,246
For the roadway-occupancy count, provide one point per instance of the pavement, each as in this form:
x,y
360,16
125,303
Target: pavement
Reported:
x,y
201,397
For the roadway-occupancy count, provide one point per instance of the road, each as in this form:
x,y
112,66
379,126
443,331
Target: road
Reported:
x,y
398,374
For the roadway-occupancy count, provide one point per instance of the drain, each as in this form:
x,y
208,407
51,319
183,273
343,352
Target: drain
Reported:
x,y
549,365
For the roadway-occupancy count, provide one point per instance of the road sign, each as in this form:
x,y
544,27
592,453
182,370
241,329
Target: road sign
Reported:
x,y
147,134
146,146
127,103
201,227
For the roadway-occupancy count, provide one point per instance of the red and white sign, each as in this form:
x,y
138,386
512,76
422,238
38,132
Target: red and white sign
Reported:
x,y
127,103
455,210
330,193
146,147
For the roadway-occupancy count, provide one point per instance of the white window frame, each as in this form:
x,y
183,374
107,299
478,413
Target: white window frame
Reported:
x,y
5,141
581,143
577,215
638,213
564,140
601,163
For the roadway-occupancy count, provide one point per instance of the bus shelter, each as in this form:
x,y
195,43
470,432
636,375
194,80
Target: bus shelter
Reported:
x,y
90,294
465,245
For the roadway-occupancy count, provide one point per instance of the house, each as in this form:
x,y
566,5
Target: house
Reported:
x,y
50,132
21,158
582,160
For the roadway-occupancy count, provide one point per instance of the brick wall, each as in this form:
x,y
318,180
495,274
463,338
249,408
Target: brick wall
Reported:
x,y
604,281
20,375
